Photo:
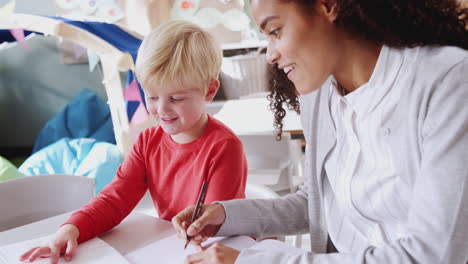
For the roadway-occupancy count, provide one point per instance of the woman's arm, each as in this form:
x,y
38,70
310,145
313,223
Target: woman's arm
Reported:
x,y
266,217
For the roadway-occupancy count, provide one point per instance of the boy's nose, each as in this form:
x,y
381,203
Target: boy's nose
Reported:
x,y
162,107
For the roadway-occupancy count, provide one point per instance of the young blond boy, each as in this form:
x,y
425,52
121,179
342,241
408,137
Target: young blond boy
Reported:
x,y
178,65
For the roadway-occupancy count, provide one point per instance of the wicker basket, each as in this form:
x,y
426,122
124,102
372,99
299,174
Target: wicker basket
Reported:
x,y
243,75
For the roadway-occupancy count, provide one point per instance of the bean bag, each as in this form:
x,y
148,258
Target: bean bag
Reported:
x,y
83,156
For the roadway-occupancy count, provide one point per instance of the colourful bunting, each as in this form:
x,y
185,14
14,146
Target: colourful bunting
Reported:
x,y
131,107
140,115
78,50
93,60
134,100
132,93
18,34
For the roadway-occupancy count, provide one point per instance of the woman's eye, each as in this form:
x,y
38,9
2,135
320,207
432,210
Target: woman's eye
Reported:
x,y
153,98
274,32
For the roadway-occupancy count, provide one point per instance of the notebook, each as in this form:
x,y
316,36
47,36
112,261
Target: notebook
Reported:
x,y
170,250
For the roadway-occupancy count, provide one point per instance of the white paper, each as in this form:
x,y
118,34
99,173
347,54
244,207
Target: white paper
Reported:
x,y
170,250
91,251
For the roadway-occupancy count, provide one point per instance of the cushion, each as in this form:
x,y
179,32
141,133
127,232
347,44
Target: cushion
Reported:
x,y
8,171
82,156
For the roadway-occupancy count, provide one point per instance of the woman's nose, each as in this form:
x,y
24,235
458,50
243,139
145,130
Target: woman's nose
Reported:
x,y
272,54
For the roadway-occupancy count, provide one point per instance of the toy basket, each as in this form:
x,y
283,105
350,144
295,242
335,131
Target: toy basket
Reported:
x,y
243,75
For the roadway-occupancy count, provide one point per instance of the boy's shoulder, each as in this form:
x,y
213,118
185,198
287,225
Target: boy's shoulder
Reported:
x,y
151,134
219,131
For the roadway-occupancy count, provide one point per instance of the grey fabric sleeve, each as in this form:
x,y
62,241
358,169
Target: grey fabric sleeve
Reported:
x,y
266,217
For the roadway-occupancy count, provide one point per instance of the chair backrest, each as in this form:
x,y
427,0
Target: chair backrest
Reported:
x,y
276,164
32,198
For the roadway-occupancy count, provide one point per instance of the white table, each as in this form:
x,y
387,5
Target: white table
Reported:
x,y
139,238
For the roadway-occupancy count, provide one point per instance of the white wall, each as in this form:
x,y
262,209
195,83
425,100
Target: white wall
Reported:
x,y
37,7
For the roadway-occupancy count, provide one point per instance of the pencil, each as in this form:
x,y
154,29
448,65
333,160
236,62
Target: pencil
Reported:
x,y
201,199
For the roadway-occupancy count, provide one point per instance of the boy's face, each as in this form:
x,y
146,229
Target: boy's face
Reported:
x,y
180,111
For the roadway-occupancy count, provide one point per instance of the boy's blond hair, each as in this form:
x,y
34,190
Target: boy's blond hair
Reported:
x,y
179,51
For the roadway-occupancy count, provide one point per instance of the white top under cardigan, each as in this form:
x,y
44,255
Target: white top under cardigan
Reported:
x,y
361,176
427,139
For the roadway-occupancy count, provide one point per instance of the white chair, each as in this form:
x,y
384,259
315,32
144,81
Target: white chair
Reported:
x,y
32,198
276,164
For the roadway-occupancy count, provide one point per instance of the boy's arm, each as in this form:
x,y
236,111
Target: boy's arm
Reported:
x,y
116,200
228,172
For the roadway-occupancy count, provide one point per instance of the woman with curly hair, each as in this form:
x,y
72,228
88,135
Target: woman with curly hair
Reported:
x,y
382,87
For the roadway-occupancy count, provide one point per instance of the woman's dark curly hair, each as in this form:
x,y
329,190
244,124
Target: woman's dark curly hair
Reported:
x,y
282,91
396,23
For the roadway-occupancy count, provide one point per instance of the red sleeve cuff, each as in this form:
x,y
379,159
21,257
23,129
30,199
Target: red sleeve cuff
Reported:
x,y
84,225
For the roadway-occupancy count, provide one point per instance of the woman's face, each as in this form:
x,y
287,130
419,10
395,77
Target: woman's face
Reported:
x,y
304,45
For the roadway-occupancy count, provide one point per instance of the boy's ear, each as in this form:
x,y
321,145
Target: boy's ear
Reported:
x,y
329,9
213,87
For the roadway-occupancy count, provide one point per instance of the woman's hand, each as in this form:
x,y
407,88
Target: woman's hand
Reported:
x,y
216,254
65,241
207,225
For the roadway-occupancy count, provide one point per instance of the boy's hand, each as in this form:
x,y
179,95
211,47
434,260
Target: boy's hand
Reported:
x,y
65,241
207,225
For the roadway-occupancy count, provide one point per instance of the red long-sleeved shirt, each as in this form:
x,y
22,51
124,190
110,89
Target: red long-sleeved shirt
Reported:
x,y
172,172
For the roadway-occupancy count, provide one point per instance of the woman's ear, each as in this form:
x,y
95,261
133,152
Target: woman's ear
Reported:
x,y
329,9
213,87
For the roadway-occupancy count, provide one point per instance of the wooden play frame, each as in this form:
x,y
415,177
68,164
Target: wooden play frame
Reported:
x,y
113,61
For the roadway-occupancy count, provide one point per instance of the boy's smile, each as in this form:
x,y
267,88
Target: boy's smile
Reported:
x,y
168,121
